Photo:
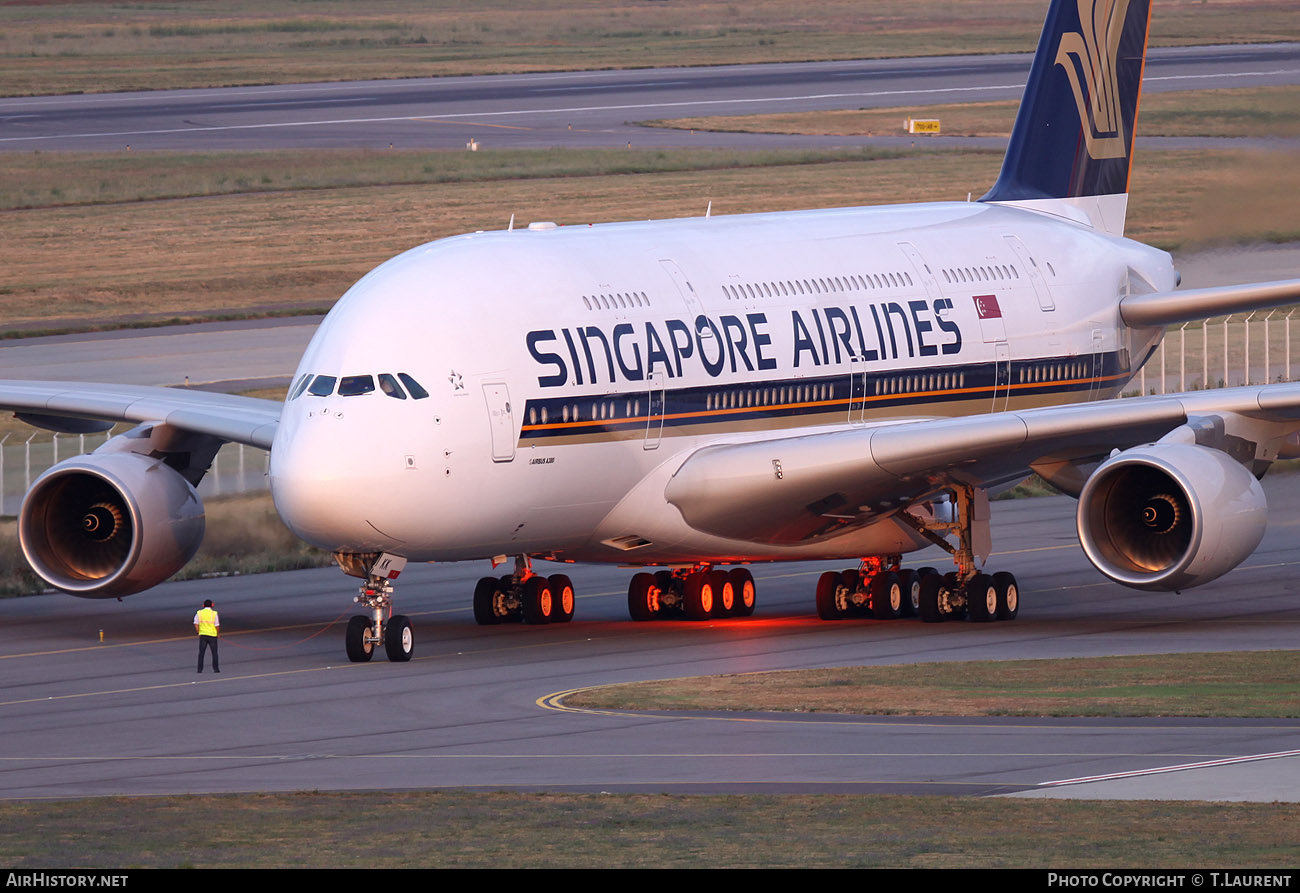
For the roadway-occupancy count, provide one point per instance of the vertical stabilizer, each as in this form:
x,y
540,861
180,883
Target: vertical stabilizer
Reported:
x,y
1072,144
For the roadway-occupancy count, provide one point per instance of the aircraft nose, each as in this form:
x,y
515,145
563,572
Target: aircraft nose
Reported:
x,y
319,482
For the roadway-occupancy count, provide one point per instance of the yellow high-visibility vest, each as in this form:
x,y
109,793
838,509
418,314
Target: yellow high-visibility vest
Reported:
x,y
207,621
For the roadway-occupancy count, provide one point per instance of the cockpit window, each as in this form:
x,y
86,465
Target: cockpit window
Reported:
x,y
389,386
352,385
413,386
322,386
299,386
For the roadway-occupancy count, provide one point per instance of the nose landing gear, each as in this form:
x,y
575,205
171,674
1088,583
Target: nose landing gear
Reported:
x,y
394,633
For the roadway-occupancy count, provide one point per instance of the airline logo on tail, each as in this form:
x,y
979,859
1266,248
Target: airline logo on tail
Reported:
x,y
1089,59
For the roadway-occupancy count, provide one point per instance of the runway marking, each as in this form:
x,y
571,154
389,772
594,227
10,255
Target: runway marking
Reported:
x,y
1161,770
436,120
533,755
552,111
594,108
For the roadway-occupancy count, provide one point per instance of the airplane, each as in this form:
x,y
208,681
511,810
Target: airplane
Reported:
x,y
683,396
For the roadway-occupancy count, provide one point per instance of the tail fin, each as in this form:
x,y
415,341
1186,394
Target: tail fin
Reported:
x,y
1073,139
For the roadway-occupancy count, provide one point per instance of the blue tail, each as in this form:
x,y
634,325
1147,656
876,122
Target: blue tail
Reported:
x,y
1074,131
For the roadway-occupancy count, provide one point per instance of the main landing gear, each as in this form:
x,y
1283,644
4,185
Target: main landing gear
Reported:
x,y
880,589
365,633
523,595
694,593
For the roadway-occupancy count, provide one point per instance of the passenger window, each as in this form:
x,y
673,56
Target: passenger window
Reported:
x,y
323,386
355,385
389,386
413,386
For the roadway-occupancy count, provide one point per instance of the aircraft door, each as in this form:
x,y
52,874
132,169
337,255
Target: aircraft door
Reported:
x,y
857,390
1001,376
1096,365
501,420
1035,275
684,288
654,411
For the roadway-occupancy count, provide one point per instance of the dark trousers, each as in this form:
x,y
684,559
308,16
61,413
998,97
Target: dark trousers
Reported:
x,y
206,642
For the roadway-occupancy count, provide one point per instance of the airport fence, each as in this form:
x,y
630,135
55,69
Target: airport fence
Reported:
x,y
1222,352
236,468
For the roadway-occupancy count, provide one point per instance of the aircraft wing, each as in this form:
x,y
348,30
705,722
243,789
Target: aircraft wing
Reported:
x,y
71,406
792,490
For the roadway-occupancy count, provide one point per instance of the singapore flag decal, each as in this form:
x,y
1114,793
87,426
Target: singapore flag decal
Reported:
x,y
987,306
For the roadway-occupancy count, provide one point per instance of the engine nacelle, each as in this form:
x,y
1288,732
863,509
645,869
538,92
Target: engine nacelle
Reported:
x,y
110,524
1170,516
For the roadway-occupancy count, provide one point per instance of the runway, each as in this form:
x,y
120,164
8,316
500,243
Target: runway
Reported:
x,y
130,716
591,108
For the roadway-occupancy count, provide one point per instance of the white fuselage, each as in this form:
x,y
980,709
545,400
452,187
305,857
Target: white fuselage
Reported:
x,y
570,370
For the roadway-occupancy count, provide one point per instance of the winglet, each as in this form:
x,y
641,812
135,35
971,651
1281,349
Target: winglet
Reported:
x,y
1073,137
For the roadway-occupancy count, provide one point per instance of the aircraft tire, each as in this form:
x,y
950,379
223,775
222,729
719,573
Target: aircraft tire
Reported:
x,y
562,592
399,639
359,650
484,598
539,602
910,581
886,596
742,582
699,596
981,599
931,584
641,603
1008,595
724,594
827,583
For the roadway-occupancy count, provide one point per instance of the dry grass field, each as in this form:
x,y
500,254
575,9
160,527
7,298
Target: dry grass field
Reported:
x,y
458,829
1264,683
54,46
294,243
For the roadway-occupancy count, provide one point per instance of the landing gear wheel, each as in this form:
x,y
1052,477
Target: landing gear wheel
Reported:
x,y
485,592
886,596
910,581
359,650
643,597
932,588
539,604
981,599
742,582
1008,595
562,593
724,594
699,596
827,584
399,639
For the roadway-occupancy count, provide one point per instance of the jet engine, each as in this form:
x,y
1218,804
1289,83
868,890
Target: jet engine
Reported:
x,y
110,524
1170,516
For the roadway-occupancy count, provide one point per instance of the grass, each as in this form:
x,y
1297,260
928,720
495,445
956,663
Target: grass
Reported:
x,y
88,46
301,245
1242,684
1245,112
509,830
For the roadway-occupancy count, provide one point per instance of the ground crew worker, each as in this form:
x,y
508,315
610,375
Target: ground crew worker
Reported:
x,y
207,624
